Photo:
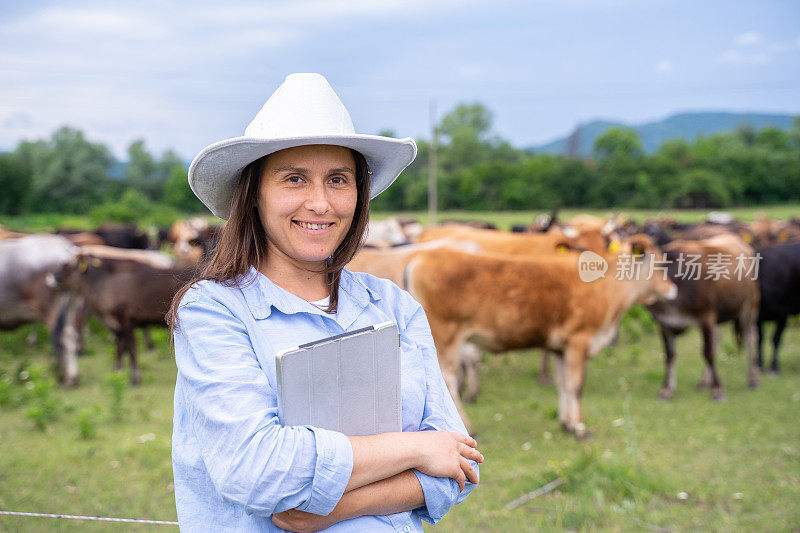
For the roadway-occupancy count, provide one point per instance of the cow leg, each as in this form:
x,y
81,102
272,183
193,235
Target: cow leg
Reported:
x,y
780,325
670,381
574,375
760,341
561,386
471,360
148,339
748,323
544,368
82,318
121,340
136,376
65,340
710,340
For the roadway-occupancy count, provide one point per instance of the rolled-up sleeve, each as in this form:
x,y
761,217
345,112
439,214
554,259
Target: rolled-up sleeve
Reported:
x,y
440,413
231,409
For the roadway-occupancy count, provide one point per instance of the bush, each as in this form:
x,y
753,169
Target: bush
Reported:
x,y
134,207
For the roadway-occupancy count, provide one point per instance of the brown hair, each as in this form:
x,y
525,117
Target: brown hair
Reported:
x,y
244,242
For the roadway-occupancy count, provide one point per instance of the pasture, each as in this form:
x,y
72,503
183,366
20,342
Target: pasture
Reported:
x,y
737,461
687,464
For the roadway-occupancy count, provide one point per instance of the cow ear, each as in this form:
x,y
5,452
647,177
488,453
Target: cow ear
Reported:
x,y
637,250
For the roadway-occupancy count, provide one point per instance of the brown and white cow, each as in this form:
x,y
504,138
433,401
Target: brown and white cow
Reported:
x,y
502,303
27,265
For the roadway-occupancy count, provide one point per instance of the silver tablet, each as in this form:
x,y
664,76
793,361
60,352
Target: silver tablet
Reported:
x,y
348,383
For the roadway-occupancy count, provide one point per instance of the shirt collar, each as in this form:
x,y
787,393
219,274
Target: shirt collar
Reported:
x,y
261,295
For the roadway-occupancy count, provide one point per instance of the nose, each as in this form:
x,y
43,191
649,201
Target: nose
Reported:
x,y
317,200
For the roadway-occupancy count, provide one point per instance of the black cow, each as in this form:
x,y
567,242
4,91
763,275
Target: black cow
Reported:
x,y
779,280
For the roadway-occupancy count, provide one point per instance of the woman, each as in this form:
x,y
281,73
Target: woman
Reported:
x,y
295,190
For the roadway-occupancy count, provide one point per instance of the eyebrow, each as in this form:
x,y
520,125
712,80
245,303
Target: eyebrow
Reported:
x,y
339,170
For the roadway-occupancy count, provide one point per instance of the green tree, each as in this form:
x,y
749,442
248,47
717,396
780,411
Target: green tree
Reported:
x,y
177,192
16,184
141,172
701,189
620,158
70,174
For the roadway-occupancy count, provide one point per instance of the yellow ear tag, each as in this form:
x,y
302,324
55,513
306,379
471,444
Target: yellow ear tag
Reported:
x,y
561,248
96,262
613,246
783,236
82,266
746,237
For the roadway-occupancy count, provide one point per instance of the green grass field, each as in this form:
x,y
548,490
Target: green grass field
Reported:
x,y
738,462
503,219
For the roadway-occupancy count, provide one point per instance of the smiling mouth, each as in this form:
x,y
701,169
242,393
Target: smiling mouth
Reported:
x,y
313,225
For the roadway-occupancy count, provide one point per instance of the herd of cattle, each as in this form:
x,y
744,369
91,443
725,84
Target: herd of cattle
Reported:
x,y
482,289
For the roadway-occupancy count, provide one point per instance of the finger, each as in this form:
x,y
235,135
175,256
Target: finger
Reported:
x,y
466,439
470,473
470,453
461,479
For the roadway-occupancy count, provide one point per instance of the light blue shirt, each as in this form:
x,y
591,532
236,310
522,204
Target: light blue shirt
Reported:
x,y
233,462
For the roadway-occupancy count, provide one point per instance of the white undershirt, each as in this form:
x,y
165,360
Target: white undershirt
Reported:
x,y
323,304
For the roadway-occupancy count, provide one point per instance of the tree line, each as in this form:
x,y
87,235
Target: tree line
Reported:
x,y
477,170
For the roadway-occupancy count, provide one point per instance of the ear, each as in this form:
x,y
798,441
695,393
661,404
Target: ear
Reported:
x,y
637,250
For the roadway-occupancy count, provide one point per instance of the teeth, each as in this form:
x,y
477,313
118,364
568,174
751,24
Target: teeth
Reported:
x,y
306,225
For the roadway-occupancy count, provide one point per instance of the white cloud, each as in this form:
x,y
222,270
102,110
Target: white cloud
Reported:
x,y
736,57
749,38
664,66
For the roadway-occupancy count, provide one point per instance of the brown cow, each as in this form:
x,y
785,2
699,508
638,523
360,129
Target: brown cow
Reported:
x,y
594,234
709,295
502,303
124,295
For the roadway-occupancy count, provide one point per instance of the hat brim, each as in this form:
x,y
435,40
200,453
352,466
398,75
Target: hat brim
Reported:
x,y
216,169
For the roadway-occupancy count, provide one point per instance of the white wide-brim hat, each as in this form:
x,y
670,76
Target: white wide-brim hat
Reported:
x,y
303,110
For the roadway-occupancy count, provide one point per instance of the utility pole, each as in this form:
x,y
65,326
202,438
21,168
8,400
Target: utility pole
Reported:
x,y
433,167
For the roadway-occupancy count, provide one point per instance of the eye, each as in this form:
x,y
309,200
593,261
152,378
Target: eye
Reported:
x,y
338,180
294,178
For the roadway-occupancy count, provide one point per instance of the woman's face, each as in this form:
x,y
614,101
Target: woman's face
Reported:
x,y
306,201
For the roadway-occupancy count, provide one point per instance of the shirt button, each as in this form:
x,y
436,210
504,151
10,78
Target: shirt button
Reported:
x,y
407,528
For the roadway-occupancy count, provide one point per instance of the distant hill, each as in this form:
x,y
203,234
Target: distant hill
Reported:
x,y
684,125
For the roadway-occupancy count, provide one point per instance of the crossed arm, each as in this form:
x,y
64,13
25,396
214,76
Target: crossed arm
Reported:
x,y
382,481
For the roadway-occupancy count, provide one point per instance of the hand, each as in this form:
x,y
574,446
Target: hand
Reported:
x,y
303,522
445,454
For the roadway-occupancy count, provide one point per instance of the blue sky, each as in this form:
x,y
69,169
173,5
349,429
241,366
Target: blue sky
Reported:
x,y
182,75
